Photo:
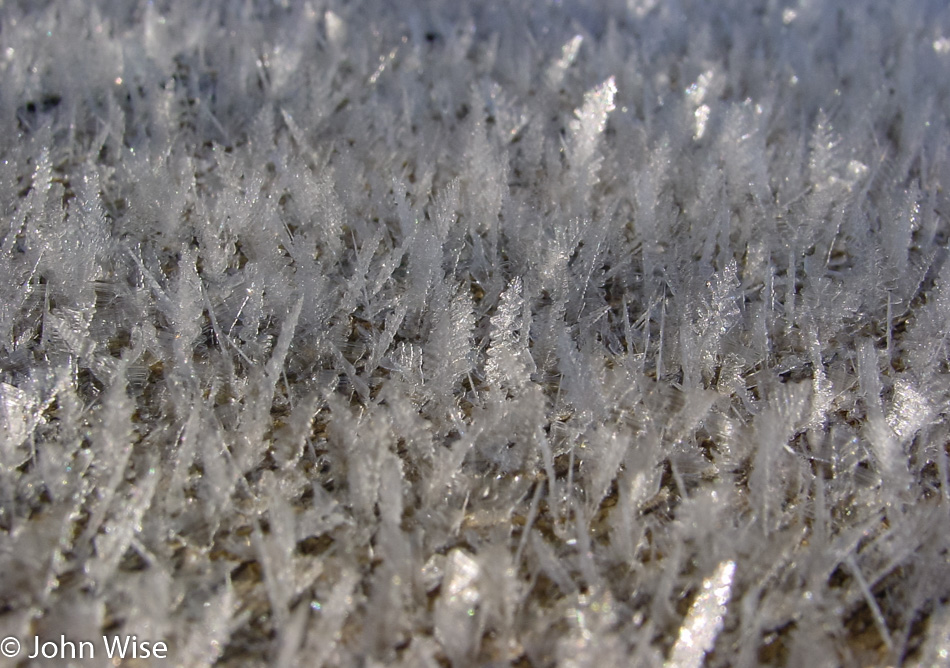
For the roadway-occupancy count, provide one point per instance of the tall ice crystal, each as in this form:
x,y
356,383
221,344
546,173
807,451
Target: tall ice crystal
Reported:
x,y
430,333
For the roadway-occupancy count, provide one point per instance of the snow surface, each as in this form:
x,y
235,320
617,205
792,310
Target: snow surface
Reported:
x,y
497,333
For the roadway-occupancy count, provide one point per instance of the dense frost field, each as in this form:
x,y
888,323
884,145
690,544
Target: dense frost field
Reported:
x,y
504,333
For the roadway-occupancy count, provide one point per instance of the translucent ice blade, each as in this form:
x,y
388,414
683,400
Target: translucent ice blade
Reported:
x,y
586,129
704,621
16,413
568,56
702,117
461,573
910,410
336,29
592,117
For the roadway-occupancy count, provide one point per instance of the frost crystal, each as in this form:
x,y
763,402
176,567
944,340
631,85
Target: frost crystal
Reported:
x,y
592,119
505,365
705,619
568,55
436,333
702,117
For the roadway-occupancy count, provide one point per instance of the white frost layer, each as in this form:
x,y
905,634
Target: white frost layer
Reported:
x,y
568,332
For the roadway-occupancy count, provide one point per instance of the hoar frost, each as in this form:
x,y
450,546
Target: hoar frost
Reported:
x,y
510,334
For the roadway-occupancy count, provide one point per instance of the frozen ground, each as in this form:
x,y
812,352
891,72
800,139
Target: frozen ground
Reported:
x,y
503,333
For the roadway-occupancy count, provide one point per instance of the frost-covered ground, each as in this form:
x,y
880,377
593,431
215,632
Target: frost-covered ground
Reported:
x,y
503,333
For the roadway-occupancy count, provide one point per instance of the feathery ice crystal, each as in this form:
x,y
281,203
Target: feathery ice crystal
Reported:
x,y
436,333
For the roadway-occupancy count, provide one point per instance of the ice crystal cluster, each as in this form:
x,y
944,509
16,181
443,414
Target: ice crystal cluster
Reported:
x,y
502,333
